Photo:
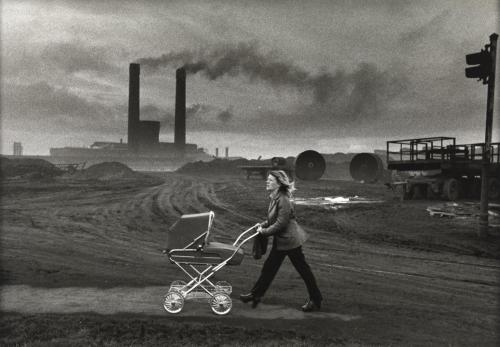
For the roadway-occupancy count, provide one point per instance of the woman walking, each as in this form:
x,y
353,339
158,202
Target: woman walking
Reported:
x,y
288,238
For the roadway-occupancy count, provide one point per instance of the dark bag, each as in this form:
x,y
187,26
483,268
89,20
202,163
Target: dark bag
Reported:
x,y
259,246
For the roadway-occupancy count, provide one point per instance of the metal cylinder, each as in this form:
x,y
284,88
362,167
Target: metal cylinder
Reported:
x,y
310,165
366,167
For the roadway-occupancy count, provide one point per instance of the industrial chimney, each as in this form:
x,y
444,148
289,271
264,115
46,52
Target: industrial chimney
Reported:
x,y
180,109
133,106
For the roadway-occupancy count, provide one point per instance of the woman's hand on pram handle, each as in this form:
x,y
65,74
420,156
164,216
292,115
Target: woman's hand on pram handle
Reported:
x,y
258,227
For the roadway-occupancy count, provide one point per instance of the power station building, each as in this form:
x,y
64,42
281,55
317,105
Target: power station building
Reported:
x,y
143,148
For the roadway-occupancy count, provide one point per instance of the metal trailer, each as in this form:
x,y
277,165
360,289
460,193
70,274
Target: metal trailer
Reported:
x,y
71,168
277,163
309,166
437,167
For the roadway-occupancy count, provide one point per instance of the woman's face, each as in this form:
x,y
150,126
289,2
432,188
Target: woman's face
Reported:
x,y
272,183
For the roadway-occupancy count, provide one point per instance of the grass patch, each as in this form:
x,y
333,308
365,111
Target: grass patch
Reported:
x,y
97,330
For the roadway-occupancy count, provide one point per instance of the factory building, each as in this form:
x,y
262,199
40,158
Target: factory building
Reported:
x,y
18,149
143,136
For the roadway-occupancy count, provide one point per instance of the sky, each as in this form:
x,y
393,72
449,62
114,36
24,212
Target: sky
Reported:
x,y
270,78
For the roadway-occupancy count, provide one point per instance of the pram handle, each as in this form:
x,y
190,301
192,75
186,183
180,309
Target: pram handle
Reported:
x,y
238,246
243,233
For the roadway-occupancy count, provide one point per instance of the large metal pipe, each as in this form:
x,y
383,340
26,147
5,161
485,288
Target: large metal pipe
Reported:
x,y
133,106
180,109
309,165
366,167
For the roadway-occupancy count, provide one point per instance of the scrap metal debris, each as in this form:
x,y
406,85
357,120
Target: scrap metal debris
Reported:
x,y
463,210
333,202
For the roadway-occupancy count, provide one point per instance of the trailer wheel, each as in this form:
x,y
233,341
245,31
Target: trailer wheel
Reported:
x,y
451,189
493,188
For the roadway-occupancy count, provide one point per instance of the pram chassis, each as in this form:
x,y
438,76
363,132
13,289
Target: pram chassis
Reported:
x,y
200,286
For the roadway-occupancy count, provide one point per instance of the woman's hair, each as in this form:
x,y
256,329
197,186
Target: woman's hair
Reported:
x,y
286,186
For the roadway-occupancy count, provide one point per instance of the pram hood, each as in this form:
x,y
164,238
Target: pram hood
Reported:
x,y
190,231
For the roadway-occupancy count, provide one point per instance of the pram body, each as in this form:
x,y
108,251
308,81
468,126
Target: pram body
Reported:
x,y
193,249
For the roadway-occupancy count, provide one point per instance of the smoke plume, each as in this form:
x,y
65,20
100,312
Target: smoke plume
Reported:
x,y
246,60
362,92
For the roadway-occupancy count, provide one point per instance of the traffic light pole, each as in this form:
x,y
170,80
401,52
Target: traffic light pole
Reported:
x,y
483,215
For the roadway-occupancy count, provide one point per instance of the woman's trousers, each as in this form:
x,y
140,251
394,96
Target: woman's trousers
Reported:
x,y
272,265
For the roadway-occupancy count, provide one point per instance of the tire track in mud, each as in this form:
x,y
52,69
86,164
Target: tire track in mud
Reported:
x,y
177,198
230,221
194,195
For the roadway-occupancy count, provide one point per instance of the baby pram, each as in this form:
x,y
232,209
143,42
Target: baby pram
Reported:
x,y
191,247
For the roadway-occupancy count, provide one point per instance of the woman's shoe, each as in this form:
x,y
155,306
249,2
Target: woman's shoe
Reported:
x,y
311,306
246,297
250,297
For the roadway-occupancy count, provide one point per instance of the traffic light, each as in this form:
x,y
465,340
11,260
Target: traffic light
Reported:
x,y
482,62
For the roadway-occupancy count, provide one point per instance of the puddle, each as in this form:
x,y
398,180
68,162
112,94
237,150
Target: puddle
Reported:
x,y
334,202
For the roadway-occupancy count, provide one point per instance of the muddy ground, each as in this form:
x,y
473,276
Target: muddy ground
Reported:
x,y
82,265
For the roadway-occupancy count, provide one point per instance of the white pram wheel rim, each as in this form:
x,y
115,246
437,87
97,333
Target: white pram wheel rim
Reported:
x,y
221,303
223,286
173,302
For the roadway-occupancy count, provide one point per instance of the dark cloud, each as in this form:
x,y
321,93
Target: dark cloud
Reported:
x,y
73,57
152,112
197,110
365,89
42,106
243,59
226,115
204,117
342,101
372,92
198,116
59,61
422,33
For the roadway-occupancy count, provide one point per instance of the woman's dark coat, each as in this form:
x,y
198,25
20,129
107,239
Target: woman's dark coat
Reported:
x,y
281,223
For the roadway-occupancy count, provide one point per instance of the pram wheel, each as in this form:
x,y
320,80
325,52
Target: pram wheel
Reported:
x,y
223,286
221,303
173,302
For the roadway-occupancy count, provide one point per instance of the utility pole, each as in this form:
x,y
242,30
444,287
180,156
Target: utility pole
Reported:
x,y
485,71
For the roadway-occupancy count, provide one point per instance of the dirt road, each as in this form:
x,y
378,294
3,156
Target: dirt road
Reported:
x,y
146,300
389,273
